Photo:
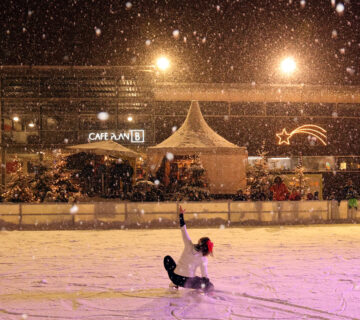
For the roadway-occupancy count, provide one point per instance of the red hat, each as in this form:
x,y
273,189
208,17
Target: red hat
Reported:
x,y
210,246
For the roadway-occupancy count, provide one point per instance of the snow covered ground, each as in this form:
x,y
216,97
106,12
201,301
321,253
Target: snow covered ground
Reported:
x,y
297,272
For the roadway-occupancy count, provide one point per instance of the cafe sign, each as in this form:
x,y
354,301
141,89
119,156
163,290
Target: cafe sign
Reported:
x,y
130,136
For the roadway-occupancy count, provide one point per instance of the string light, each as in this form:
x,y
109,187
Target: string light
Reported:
x,y
311,129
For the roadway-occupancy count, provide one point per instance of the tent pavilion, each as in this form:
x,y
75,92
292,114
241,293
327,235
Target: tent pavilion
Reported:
x,y
223,161
107,147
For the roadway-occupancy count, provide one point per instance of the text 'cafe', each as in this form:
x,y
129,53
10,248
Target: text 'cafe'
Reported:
x,y
132,136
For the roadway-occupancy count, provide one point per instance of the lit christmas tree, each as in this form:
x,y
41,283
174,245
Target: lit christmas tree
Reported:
x,y
258,176
41,184
57,182
258,173
300,180
19,188
195,187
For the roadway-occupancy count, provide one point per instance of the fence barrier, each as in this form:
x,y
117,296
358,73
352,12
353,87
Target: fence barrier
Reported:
x,y
140,214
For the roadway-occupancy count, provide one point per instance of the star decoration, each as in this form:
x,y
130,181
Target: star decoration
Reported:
x,y
309,129
283,137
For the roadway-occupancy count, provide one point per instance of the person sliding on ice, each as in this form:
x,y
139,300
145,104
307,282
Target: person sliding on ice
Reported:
x,y
182,274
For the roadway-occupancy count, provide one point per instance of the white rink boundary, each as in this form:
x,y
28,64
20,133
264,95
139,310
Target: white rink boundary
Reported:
x,y
165,213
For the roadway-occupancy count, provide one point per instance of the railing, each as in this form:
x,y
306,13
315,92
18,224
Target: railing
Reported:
x,y
165,214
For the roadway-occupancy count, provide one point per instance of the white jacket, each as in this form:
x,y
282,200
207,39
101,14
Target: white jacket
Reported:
x,y
190,259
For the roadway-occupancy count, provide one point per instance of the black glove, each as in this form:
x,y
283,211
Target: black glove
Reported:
x,y
181,218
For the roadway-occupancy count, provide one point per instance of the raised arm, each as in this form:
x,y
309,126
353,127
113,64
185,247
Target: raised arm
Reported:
x,y
184,234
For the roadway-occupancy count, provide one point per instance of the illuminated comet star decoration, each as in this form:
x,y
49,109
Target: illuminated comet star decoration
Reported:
x,y
311,129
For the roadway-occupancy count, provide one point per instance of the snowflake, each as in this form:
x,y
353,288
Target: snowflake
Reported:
x,y
97,31
176,34
103,116
340,8
169,156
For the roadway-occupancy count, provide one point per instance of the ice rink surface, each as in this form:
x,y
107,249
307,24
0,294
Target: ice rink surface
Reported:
x,y
295,272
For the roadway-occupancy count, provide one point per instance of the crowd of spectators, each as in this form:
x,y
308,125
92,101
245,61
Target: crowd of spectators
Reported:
x,y
115,181
280,192
348,193
111,181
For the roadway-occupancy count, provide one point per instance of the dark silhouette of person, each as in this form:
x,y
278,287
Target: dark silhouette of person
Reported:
x,y
240,196
127,175
87,175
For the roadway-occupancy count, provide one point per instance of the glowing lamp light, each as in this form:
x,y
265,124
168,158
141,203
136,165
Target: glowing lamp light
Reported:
x,y
288,65
16,119
130,118
31,125
163,63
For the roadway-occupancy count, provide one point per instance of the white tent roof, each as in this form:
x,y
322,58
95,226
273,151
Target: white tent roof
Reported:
x,y
107,147
195,135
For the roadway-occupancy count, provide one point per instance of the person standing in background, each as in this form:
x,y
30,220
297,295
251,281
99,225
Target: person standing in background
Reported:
x,y
279,190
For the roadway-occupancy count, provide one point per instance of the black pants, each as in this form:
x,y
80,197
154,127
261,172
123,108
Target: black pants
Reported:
x,y
186,282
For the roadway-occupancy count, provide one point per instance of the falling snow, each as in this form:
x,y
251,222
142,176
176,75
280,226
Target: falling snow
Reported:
x,y
214,47
103,116
340,8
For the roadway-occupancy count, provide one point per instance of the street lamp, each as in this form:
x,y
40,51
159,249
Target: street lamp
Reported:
x,y
163,63
288,66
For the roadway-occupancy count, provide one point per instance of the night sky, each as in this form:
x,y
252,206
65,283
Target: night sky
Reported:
x,y
208,41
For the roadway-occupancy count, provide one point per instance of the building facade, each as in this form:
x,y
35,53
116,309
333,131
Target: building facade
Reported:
x,y
51,107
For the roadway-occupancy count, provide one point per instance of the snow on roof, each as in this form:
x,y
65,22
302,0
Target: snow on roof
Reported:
x,y
105,147
195,135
